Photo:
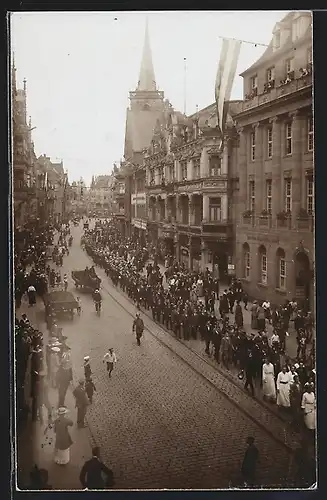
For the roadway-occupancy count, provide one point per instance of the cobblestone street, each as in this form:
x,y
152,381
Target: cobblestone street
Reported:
x,y
160,423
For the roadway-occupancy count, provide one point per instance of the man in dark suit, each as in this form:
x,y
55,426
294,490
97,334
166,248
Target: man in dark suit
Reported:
x,y
94,474
249,464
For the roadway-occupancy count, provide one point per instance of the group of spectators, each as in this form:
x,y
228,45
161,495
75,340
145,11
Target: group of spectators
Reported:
x,y
185,302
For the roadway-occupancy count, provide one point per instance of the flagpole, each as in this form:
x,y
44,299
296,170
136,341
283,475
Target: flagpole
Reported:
x,y
244,41
184,85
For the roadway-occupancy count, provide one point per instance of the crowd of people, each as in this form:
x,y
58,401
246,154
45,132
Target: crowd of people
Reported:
x,y
185,302
190,304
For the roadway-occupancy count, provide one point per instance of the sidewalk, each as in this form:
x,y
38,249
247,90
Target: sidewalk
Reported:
x,y
35,443
198,347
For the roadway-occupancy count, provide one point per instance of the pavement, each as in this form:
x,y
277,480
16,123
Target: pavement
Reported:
x,y
166,418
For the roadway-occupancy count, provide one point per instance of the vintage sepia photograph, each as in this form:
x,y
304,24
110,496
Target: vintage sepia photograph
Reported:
x,y
163,221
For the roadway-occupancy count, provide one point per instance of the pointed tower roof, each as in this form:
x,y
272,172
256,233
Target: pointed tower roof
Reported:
x,y
147,80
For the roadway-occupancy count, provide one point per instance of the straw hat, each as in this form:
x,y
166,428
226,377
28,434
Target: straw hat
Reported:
x,y
55,349
62,410
86,358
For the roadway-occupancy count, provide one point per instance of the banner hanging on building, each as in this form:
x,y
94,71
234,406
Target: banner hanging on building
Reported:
x,y
229,55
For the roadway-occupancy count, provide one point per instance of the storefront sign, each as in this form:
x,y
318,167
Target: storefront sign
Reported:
x,y
141,224
263,237
138,199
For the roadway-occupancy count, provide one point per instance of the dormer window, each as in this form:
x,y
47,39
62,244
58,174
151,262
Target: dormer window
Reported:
x,y
270,74
253,83
289,66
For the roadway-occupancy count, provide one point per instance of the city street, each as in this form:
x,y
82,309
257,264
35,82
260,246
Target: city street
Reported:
x,y
158,422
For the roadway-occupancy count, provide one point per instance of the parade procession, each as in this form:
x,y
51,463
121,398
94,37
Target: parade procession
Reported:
x,y
164,305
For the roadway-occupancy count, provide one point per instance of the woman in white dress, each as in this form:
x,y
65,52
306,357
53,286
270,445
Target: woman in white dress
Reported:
x,y
268,381
309,407
284,380
63,439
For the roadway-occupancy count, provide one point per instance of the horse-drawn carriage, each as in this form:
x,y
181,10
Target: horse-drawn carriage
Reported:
x,y
60,302
86,280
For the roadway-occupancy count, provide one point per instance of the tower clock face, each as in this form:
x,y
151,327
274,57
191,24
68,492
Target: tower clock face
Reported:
x,y
146,106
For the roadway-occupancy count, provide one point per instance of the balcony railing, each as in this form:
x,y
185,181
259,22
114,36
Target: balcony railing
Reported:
x,y
276,92
281,222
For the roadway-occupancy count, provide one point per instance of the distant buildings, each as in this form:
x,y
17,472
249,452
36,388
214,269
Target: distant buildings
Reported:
x,y
99,195
78,197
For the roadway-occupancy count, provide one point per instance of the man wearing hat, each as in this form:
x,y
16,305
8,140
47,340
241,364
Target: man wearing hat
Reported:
x,y
42,398
87,367
81,403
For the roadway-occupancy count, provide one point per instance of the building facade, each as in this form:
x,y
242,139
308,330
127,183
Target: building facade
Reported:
x,y
78,196
100,195
53,204
23,158
189,189
274,247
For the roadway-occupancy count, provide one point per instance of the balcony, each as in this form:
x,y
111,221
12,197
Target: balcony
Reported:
x,y
290,87
305,223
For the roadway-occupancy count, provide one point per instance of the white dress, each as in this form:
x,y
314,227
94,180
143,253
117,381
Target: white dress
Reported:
x,y
268,380
309,407
283,385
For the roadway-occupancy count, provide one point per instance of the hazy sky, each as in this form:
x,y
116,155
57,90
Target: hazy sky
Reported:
x,y
80,67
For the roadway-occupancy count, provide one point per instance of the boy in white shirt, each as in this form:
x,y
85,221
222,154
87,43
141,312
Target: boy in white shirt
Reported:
x,y
110,358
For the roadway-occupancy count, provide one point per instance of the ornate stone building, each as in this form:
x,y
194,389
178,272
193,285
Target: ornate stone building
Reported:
x,y
23,158
275,203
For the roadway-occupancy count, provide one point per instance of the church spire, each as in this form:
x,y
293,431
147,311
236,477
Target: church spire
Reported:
x,y
147,79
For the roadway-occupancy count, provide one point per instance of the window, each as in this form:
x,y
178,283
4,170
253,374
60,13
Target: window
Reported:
x,y
183,170
288,195
296,29
252,196
268,195
263,265
196,168
253,82
288,138
246,260
160,175
270,74
281,269
276,40
215,166
269,142
214,209
310,133
289,65
310,195
151,177
171,173
252,142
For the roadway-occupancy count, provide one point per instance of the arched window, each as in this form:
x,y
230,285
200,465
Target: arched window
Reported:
x,y
263,264
246,260
281,269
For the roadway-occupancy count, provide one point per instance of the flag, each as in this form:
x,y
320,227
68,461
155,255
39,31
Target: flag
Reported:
x,y
229,55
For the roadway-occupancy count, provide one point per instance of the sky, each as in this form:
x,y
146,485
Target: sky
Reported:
x,y
80,67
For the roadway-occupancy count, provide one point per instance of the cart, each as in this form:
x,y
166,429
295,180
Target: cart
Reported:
x,y
60,302
85,281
